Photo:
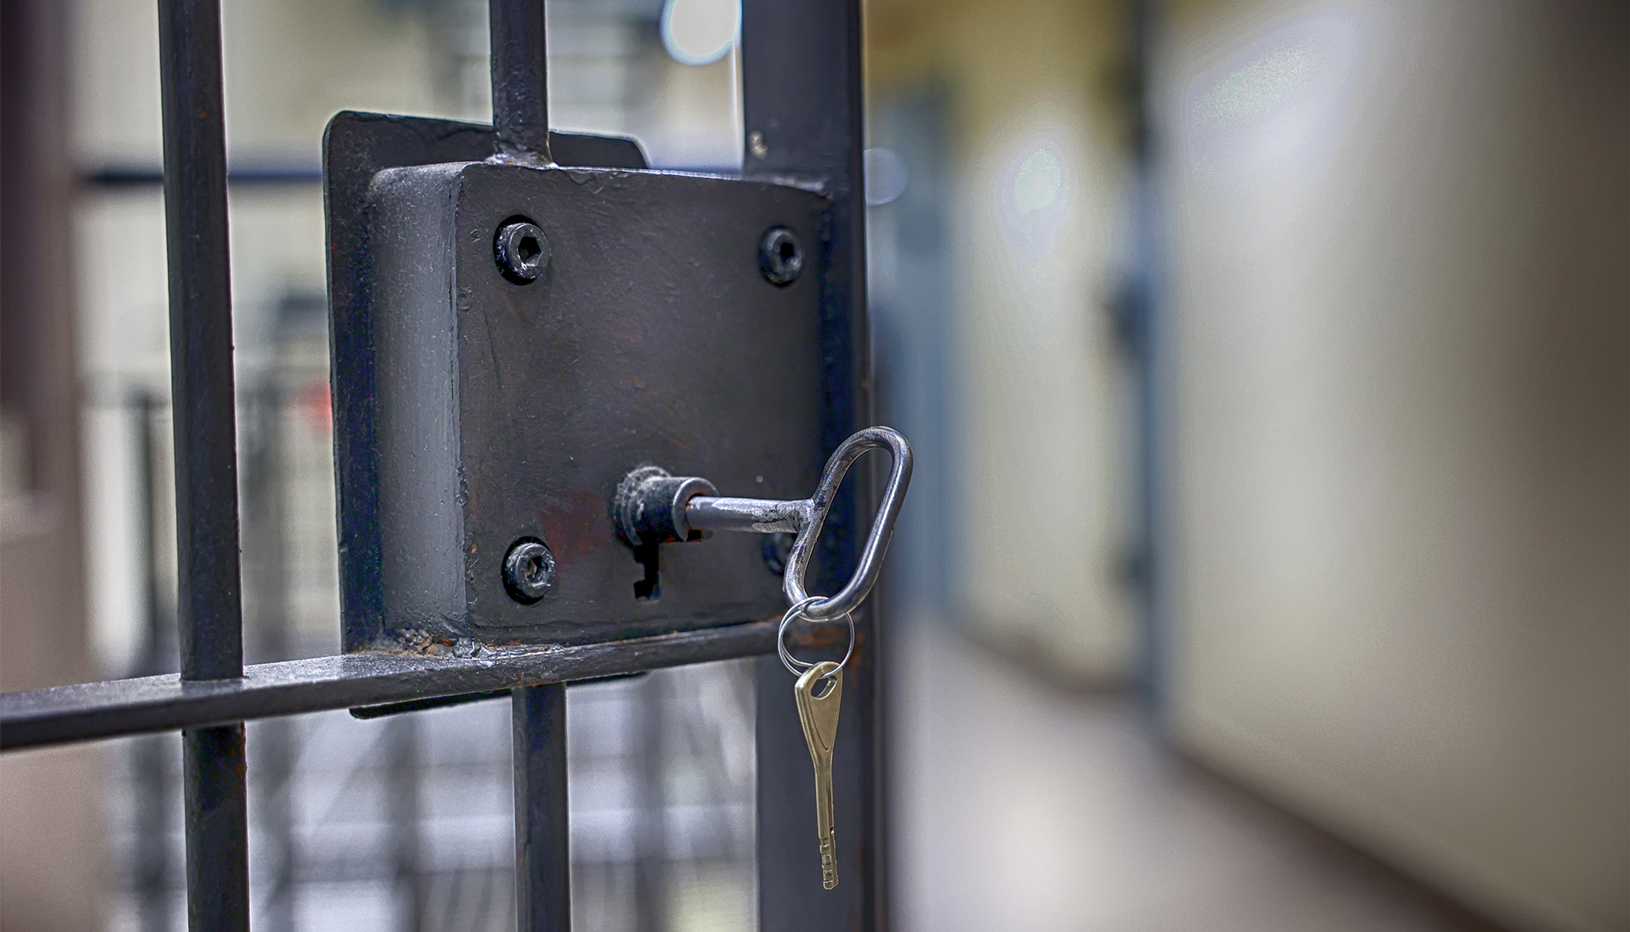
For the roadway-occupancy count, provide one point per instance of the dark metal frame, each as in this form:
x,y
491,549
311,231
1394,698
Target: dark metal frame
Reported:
x,y
802,80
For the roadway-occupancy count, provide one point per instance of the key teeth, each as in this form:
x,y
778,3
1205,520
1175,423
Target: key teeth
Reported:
x,y
829,867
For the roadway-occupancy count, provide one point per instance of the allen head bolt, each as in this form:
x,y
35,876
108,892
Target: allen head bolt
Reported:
x,y
780,257
521,250
529,570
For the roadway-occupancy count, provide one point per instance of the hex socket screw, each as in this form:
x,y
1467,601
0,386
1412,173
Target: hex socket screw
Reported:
x,y
780,257
529,570
521,249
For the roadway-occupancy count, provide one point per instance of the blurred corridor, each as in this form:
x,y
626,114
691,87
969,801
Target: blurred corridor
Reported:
x,y
1027,806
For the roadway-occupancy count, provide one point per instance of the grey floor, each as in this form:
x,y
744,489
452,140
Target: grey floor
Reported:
x,y
1024,807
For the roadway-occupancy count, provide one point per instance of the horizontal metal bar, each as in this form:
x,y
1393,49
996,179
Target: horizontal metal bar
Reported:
x,y
62,714
366,712
138,176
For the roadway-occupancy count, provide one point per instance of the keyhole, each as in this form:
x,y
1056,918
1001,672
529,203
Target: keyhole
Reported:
x,y
650,558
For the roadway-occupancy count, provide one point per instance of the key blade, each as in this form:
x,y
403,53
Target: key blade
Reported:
x,y
819,716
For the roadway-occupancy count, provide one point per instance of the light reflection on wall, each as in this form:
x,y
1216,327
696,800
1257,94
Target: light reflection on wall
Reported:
x,y
1034,196
699,32
1277,110
1038,250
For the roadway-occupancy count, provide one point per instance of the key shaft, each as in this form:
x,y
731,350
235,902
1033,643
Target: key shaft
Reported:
x,y
819,716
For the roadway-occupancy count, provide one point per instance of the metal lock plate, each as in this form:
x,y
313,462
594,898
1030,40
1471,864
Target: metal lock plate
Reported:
x,y
504,408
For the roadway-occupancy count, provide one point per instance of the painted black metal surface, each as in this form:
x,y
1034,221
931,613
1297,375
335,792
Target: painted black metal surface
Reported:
x,y
803,101
357,146
217,826
520,98
209,606
509,409
206,466
542,829
64,714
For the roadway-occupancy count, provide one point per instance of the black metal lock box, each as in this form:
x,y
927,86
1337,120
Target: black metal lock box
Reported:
x,y
496,385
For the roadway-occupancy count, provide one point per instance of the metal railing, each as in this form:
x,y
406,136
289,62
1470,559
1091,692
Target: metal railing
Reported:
x,y
802,109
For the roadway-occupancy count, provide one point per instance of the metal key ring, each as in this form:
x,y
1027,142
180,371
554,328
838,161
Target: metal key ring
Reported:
x,y
706,512
795,666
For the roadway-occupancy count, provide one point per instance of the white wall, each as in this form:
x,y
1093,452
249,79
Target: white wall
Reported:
x,y
1399,431
1039,165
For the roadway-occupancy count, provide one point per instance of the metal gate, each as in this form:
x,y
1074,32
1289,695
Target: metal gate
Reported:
x,y
524,635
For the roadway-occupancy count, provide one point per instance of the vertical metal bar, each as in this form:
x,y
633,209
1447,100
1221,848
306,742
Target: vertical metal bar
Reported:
x,y
217,828
802,94
157,634
651,837
267,580
274,756
151,855
402,778
520,116
206,467
543,888
152,753
520,98
209,610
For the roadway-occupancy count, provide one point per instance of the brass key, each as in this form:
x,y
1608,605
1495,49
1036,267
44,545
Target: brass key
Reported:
x,y
819,715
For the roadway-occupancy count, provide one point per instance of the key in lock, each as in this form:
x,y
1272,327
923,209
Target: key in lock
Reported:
x,y
654,508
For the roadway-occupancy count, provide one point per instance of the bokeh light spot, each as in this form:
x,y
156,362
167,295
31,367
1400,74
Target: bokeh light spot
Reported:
x,y
699,32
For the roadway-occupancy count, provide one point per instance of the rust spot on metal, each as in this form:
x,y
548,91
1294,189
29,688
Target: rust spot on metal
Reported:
x,y
575,524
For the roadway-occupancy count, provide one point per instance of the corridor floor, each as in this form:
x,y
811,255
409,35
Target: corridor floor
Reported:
x,y
1022,807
